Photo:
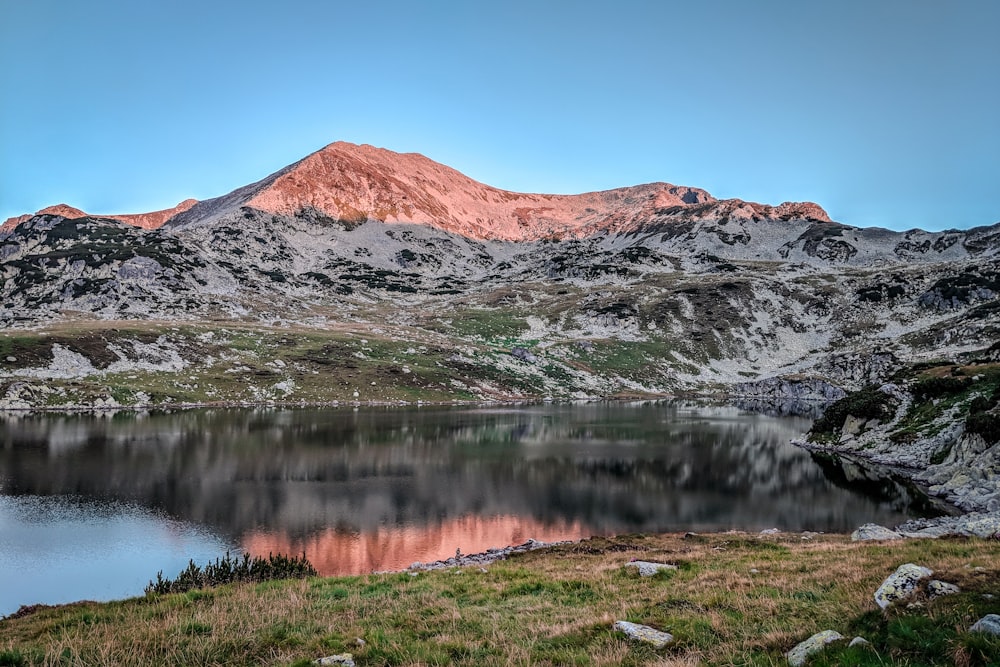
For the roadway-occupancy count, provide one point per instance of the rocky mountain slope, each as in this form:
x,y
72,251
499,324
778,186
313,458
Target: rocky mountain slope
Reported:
x,y
358,273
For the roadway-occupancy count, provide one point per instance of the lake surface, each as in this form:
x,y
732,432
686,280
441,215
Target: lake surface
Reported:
x,y
91,507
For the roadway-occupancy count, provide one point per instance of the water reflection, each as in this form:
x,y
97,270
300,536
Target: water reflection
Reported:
x,y
378,488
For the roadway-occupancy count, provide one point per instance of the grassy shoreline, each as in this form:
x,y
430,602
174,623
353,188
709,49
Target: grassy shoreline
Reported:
x,y
735,599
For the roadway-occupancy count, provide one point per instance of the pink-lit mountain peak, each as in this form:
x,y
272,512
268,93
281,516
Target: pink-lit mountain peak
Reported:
x,y
361,183
351,182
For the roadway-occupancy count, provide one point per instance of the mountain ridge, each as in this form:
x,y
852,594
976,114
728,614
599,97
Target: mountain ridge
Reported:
x,y
358,183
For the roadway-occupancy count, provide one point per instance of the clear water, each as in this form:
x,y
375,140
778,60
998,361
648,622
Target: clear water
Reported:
x,y
91,507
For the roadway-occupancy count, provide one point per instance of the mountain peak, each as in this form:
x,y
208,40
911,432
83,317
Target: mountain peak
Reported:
x,y
360,183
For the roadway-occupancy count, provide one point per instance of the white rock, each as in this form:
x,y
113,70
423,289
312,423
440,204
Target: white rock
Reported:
x,y
648,569
859,641
797,656
342,659
873,531
990,624
901,584
645,634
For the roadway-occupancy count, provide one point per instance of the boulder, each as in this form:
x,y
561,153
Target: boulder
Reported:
x,y
990,624
648,569
798,655
873,531
901,584
645,634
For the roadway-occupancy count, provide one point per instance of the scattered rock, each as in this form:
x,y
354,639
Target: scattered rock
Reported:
x,y
990,624
901,584
342,659
771,531
937,588
648,569
645,634
754,570
973,524
873,531
859,641
11,359
480,559
797,656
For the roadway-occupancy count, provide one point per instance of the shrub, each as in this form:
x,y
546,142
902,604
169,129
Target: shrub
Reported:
x,y
936,387
986,424
229,570
869,403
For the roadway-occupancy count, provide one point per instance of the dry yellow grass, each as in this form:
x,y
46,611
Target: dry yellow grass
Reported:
x,y
551,607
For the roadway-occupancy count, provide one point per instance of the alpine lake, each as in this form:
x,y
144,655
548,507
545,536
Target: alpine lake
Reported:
x,y
92,506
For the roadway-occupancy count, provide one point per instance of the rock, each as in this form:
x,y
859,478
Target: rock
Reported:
x,y
645,634
854,425
797,656
901,584
523,354
938,588
343,659
873,531
771,531
648,569
990,624
11,359
859,641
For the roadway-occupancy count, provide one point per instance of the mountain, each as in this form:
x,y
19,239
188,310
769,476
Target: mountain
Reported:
x,y
362,183
644,290
142,220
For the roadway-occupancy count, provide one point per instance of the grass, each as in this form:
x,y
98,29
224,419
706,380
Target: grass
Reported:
x,y
551,607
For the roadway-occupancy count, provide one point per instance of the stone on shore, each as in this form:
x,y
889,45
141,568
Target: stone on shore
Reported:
x,y
644,633
873,531
648,569
798,655
901,584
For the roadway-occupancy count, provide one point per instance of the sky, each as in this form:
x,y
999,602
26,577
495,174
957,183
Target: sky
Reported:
x,y
884,112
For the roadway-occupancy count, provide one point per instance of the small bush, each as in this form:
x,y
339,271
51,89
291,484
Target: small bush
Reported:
x,y
229,570
935,387
869,403
986,424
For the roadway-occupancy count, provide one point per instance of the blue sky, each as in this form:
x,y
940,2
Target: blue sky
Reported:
x,y
885,112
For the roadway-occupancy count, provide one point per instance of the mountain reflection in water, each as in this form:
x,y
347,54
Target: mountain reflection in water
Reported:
x,y
376,488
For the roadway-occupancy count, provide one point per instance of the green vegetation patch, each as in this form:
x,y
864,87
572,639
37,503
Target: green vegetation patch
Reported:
x,y
868,403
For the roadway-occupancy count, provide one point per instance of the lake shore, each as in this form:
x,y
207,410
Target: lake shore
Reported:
x,y
734,597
